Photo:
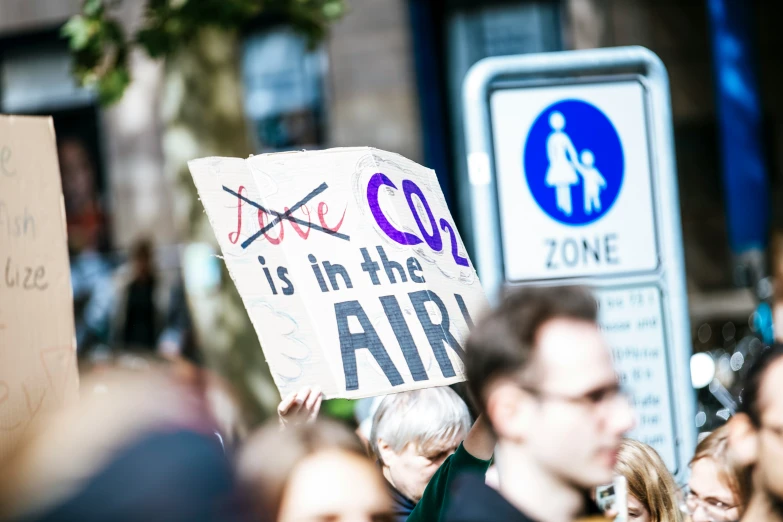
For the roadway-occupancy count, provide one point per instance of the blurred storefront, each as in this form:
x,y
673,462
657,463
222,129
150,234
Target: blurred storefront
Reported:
x,y
390,76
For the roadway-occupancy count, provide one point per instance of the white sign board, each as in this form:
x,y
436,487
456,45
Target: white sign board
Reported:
x,y
632,323
573,178
574,181
350,267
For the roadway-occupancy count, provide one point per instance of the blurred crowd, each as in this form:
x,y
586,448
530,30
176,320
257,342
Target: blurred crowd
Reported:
x,y
156,438
121,300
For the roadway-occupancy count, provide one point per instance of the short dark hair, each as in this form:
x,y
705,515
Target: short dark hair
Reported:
x,y
501,344
142,250
751,391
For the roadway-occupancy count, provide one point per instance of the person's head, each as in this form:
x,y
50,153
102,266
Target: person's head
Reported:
x,y
540,370
77,172
86,226
756,433
413,432
141,257
557,120
719,487
587,158
651,488
141,435
311,472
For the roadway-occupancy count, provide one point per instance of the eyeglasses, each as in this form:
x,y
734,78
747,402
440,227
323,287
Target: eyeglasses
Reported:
x,y
592,400
713,509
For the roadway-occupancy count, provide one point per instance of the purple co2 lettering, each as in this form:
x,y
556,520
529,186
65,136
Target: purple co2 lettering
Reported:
x,y
410,188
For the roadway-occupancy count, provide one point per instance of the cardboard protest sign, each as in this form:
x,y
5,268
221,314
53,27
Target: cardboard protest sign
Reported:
x,y
37,345
349,264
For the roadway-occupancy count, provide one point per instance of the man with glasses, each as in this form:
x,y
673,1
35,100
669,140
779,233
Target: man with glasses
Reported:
x,y
757,435
542,374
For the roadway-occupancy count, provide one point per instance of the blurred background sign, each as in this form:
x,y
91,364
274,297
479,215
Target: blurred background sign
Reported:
x,y
389,74
37,350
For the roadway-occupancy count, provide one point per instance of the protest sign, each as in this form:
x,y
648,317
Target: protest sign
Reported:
x,y
349,264
37,347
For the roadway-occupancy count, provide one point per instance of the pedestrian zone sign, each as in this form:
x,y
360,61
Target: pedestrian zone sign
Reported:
x,y
574,186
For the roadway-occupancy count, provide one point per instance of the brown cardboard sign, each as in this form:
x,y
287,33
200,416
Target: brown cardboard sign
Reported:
x,y
350,267
38,370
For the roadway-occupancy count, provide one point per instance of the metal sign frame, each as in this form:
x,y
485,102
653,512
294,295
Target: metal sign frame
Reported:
x,y
592,66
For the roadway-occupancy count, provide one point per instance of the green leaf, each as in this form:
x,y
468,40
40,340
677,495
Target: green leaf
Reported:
x,y
155,41
333,10
113,33
112,86
78,31
93,8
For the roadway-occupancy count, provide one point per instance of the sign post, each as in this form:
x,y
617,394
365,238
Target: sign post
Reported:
x,y
572,168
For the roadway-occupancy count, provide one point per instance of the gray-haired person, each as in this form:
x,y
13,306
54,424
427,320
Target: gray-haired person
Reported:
x,y
418,433
423,439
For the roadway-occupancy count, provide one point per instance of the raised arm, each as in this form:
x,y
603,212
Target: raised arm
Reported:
x,y
480,441
571,151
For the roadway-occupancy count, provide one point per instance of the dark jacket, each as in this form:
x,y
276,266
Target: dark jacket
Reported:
x,y
179,476
471,500
402,506
432,506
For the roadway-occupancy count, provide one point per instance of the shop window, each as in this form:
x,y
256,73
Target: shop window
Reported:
x,y
284,95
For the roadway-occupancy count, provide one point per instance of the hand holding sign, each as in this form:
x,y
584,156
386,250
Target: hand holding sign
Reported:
x,y
300,406
370,291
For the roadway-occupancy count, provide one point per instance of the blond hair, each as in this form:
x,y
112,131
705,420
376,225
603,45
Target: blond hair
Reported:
x,y
648,480
716,447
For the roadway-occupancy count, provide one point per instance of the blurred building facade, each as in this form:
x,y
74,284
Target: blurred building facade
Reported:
x,y
390,76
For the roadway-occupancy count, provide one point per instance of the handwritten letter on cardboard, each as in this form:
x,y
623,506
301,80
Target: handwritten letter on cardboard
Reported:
x,y
37,348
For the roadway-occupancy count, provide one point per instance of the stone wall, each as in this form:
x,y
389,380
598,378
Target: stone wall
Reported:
x,y
372,87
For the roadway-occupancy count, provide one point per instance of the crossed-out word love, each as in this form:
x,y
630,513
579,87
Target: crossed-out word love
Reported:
x,y
287,215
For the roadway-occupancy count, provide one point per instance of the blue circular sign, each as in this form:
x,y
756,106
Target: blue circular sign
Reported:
x,y
573,162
